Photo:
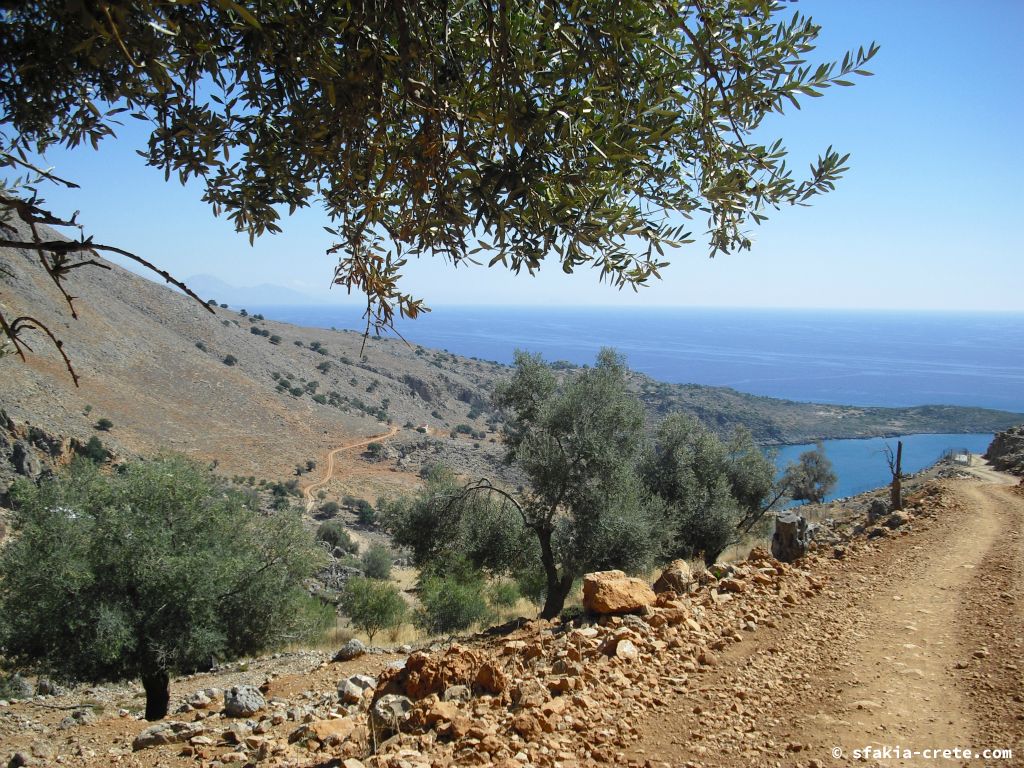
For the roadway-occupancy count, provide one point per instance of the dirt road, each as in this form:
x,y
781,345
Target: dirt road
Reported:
x,y
310,490
914,645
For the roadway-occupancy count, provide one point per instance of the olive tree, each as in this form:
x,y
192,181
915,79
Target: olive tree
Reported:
x,y
810,477
159,568
518,131
576,441
713,490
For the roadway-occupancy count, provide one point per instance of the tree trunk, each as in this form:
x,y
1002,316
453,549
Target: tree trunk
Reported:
x,y
557,587
158,694
896,490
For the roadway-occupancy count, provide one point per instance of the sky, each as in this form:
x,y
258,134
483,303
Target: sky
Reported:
x,y
924,219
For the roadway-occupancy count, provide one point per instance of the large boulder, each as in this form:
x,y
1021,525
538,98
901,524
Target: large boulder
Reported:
x,y
353,649
243,701
791,537
677,577
615,592
878,509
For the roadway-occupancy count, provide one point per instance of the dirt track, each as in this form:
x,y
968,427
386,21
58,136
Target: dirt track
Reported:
x,y
915,644
311,489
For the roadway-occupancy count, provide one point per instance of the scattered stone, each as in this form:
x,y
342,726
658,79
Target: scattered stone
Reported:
x,y
897,520
243,701
878,509
610,592
457,693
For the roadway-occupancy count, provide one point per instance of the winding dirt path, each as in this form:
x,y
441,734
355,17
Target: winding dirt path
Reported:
x,y
311,489
915,644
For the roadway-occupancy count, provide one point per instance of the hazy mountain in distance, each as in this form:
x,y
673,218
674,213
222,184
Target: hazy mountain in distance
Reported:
x,y
210,287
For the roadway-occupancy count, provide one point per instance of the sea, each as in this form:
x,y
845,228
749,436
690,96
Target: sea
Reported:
x,y
867,358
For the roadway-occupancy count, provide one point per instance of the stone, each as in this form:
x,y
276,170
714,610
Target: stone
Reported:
x,y
897,519
330,732
17,687
389,713
457,693
677,577
878,509
78,717
243,701
171,732
789,543
609,592
351,690
353,649
199,700
625,649
24,460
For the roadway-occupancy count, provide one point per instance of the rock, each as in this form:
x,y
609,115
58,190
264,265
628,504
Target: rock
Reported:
x,y
759,555
78,717
46,687
877,510
457,693
352,689
677,577
732,585
171,732
790,540
897,519
24,460
330,732
353,649
199,700
17,687
625,649
607,592
18,760
243,701
351,762
389,713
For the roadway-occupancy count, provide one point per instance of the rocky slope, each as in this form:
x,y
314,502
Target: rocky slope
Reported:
x,y
1007,450
755,663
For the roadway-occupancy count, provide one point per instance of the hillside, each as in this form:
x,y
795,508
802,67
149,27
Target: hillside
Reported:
x,y
152,362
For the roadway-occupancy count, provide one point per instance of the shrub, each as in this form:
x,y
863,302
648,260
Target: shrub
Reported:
x,y
503,594
94,450
104,425
324,367
321,399
365,513
330,508
275,339
151,571
200,346
376,562
372,605
375,450
451,603
230,360
464,429
333,532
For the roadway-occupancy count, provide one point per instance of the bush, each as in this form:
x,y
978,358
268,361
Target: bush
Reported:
x,y
375,450
376,562
330,508
275,339
94,451
104,425
372,605
200,346
334,533
451,603
230,360
323,367
154,570
503,594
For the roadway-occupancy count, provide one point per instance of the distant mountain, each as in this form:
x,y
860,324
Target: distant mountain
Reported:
x,y
239,297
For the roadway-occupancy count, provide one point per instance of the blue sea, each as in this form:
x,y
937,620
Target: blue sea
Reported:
x,y
853,358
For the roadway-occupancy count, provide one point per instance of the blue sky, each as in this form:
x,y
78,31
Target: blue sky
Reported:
x,y
925,218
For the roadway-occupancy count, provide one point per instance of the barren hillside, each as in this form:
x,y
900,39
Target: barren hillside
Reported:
x,y
260,397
